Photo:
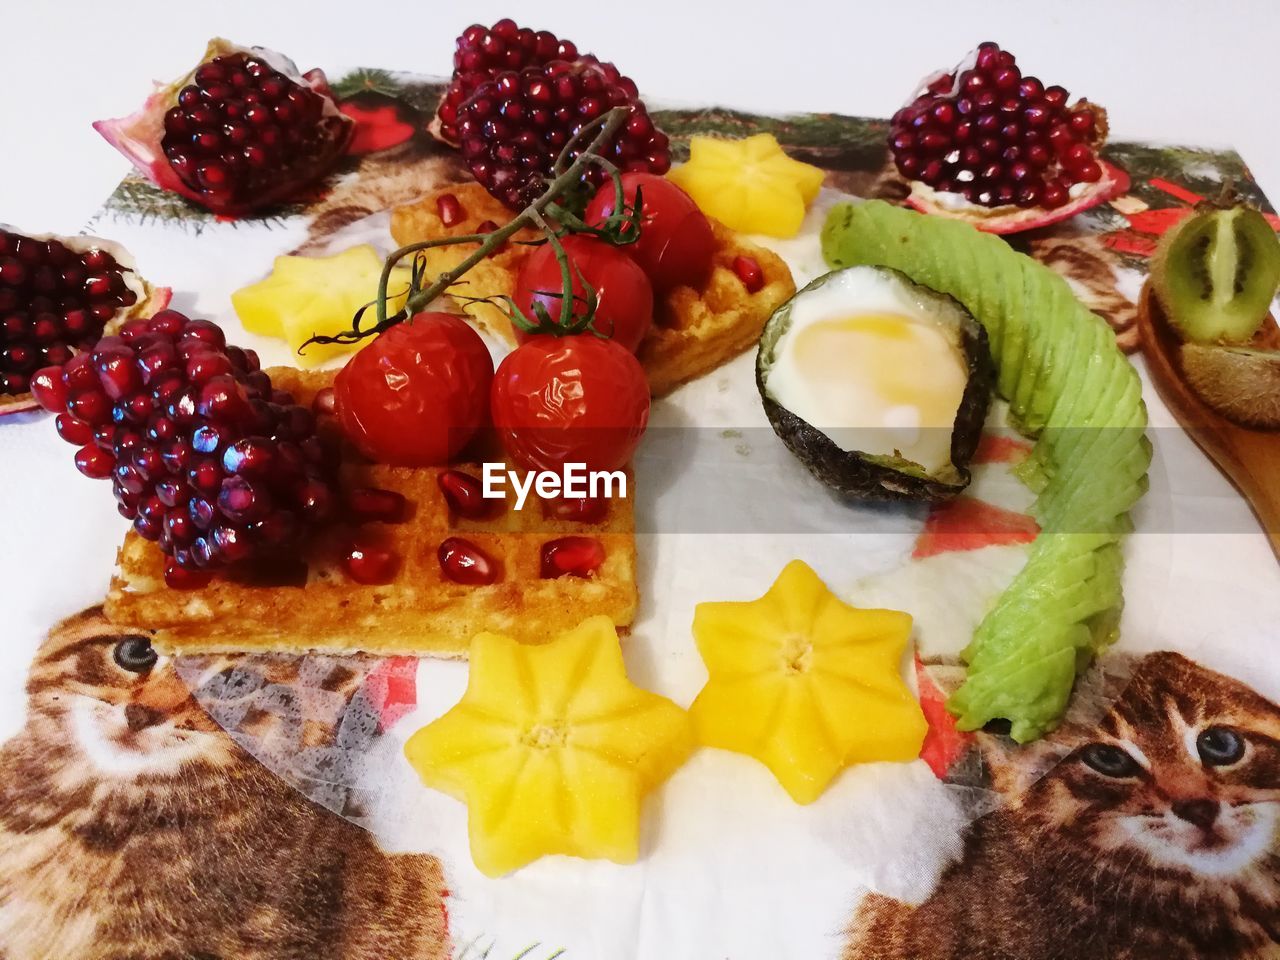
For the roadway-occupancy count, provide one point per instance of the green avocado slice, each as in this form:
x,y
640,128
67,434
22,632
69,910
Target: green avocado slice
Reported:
x,y
1068,385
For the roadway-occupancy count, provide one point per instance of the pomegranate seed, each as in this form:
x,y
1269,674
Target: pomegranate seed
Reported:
x,y
182,578
571,556
72,430
463,562
749,272
465,496
370,563
450,209
1090,172
323,404
577,510
373,505
1054,195
94,462
47,387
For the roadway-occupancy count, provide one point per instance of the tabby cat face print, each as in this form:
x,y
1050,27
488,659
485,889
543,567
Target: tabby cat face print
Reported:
x,y
118,702
1185,770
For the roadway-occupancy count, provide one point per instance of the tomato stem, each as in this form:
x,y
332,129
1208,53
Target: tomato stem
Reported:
x,y
601,130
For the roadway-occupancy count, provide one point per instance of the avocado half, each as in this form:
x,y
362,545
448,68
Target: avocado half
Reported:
x,y
866,476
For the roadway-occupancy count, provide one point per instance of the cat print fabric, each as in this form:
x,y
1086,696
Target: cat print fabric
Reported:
x,y
1153,834
132,826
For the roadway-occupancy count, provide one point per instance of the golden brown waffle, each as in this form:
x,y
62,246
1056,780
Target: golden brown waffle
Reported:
x,y
694,331
421,613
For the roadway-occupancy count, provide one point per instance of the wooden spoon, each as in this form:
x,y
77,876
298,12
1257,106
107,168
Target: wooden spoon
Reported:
x,y
1249,456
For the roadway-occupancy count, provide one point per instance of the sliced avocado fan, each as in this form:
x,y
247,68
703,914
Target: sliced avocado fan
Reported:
x,y
1068,385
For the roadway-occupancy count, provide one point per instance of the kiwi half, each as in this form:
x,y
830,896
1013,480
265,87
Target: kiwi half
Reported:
x,y
1241,383
1216,272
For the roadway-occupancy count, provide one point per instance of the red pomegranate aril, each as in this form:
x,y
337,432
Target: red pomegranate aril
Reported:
x,y
572,557
1054,195
94,462
450,209
92,407
464,562
181,578
374,505
47,387
1090,172
749,272
576,509
72,430
370,563
465,496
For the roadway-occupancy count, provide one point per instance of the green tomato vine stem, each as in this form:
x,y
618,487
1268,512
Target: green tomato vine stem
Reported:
x,y
566,176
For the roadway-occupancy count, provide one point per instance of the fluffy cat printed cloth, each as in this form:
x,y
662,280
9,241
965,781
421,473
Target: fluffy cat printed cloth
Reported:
x,y
132,825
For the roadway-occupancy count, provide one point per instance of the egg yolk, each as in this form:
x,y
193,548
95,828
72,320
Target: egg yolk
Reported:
x,y
883,383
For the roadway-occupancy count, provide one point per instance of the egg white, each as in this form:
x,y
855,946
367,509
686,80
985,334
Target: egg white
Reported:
x,y
855,412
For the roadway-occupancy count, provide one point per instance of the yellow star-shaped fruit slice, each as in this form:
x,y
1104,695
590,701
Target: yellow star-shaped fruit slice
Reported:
x,y
304,296
805,683
749,185
552,749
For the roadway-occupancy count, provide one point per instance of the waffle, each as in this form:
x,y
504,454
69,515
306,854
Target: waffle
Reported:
x,y
315,606
694,331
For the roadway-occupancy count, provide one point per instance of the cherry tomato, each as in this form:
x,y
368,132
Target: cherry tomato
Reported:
x,y
675,243
418,393
576,399
624,308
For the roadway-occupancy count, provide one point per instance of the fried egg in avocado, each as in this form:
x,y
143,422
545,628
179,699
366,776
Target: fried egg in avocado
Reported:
x,y
879,385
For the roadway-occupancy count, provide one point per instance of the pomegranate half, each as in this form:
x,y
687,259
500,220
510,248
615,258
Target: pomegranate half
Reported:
x,y
986,144
242,131
1013,219
59,295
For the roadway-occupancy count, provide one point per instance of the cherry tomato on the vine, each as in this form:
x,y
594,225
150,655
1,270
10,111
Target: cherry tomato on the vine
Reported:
x,y
675,244
575,399
624,308
418,393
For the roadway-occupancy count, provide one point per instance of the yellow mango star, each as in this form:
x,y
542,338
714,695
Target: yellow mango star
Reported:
x,y
552,749
805,683
304,296
749,185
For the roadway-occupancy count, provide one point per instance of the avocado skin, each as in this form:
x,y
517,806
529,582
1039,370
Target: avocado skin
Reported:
x,y
862,477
